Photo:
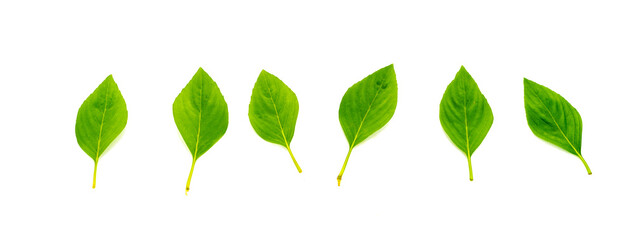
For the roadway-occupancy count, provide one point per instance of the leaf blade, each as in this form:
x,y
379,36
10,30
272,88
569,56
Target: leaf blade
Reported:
x,y
552,118
366,107
201,116
100,119
273,111
200,113
465,114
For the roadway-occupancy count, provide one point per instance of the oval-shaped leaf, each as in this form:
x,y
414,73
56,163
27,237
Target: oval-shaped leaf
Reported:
x,y
366,107
465,115
100,119
273,111
553,119
200,113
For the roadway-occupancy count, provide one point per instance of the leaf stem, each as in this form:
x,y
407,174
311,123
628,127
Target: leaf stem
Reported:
x,y
189,178
339,177
294,161
95,174
469,164
588,170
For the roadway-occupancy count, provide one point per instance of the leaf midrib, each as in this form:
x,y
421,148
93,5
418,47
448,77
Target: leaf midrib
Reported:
x,y
200,113
467,135
101,125
363,119
284,137
557,125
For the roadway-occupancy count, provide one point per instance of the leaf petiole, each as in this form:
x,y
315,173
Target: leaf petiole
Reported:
x,y
189,178
294,161
588,170
469,164
339,177
95,174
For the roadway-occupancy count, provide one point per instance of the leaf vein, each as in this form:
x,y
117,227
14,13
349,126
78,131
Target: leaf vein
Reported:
x,y
200,113
284,137
364,118
467,135
101,126
557,125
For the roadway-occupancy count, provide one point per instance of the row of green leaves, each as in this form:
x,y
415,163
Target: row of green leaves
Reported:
x,y
201,116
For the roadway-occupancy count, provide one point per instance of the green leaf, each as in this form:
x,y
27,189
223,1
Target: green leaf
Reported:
x,y
553,119
366,107
465,115
200,113
273,111
100,119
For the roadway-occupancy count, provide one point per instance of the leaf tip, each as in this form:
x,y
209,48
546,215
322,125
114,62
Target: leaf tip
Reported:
x,y
264,74
109,78
527,81
339,180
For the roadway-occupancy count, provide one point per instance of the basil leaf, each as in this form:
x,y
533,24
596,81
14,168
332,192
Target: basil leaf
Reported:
x,y
553,119
200,113
273,111
366,107
100,119
465,115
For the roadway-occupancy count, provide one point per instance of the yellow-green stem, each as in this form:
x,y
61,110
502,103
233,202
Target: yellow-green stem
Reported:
x,y
294,161
95,174
588,170
189,178
339,177
469,164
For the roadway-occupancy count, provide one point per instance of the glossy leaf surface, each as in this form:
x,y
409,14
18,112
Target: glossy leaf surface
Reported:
x,y
200,113
465,115
100,119
366,107
273,111
553,119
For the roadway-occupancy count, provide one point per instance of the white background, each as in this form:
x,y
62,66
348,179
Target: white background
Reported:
x,y
407,182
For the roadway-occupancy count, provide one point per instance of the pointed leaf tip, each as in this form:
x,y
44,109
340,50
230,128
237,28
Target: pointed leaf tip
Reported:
x,y
109,78
525,80
264,73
